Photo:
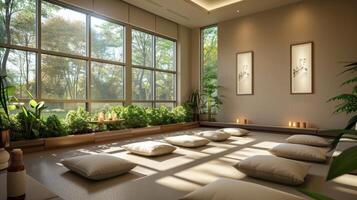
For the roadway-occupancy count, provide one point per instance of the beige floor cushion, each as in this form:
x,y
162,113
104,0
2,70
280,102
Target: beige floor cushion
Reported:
x,y
229,189
98,166
187,141
274,169
149,148
214,135
311,140
300,152
235,131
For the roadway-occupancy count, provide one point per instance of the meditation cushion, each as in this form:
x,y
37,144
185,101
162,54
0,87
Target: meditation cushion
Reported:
x,y
300,152
149,148
310,140
98,166
229,189
214,135
187,141
235,131
274,169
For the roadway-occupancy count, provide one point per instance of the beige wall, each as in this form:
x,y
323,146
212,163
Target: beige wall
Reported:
x,y
330,24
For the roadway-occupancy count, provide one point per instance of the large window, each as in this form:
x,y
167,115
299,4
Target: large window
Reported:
x,y
73,58
209,64
154,70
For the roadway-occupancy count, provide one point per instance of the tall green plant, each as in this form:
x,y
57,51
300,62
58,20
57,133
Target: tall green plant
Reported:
x,y
194,104
211,99
346,162
6,93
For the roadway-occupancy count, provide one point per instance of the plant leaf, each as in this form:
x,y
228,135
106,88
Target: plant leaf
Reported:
x,y
11,107
10,90
314,195
351,123
344,163
30,95
33,103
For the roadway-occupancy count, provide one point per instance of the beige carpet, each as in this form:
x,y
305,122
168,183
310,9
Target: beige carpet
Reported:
x,y
173,176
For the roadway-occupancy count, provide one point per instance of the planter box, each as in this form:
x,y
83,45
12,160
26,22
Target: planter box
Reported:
x,y
29,146
146,131
70,140
105,136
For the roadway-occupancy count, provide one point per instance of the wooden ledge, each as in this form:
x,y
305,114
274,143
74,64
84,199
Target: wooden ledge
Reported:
x,y
264,128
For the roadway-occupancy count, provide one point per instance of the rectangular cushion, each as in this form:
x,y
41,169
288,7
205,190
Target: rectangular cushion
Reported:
x,y
149,148
229,189
311,140
274,169
187,141
235,131
300,152
214,135
98,166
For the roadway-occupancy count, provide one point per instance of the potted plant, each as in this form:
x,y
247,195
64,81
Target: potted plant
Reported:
x,y
211,99
6,92
346,161
194,104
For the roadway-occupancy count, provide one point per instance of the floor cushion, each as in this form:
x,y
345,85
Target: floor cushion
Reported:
x,y
311,140
98,166
229,189
300,152
149,148
274,169
235,131
187,141
214,135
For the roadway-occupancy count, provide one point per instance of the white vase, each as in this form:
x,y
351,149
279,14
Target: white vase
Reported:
x,y
4,159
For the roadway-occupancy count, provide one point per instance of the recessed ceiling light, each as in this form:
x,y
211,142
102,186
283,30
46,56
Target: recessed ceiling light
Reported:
x,y
210,5
238,11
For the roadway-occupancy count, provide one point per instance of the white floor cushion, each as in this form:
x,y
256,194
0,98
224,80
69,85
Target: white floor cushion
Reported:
x,y
214,135
274,169
235,131
300,152
98,166
187,141
311,140
229,189
149,148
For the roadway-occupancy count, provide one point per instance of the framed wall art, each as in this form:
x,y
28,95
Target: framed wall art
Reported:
x,y
244,73
301,68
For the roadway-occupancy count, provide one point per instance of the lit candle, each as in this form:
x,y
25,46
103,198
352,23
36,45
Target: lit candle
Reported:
x,y
245,121
290,124
237,121
100,117
109,116
294,124
114,116
298,124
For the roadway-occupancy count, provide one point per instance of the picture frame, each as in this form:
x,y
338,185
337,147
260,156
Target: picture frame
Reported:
x,y
301,68
245,73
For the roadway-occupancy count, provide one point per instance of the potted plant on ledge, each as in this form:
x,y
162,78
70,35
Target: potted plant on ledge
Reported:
x,y
6,92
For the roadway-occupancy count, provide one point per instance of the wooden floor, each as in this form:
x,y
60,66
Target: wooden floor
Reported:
x,y
171,177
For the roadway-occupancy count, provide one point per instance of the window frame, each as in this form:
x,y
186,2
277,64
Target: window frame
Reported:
x,y
88,59
154,100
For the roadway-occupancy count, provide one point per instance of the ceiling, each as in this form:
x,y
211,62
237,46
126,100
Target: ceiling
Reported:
x,y
198,13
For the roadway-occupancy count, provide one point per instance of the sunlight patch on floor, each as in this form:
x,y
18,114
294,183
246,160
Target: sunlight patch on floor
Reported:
x,y
241,140
347,179
177,184
144,170
266,145
246,153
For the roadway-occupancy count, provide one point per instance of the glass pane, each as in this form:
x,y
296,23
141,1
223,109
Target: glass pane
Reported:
x,y
107,81
165,54
107,40
168,105
142,49
63,30
165,86
142,84
143,104
18,22
103,107
21,70
61,109
210,57
63,78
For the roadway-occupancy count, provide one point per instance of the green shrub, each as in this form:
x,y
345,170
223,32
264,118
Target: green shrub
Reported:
x,y
77,122
54,127
182,114
28,125
134,116
159,116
